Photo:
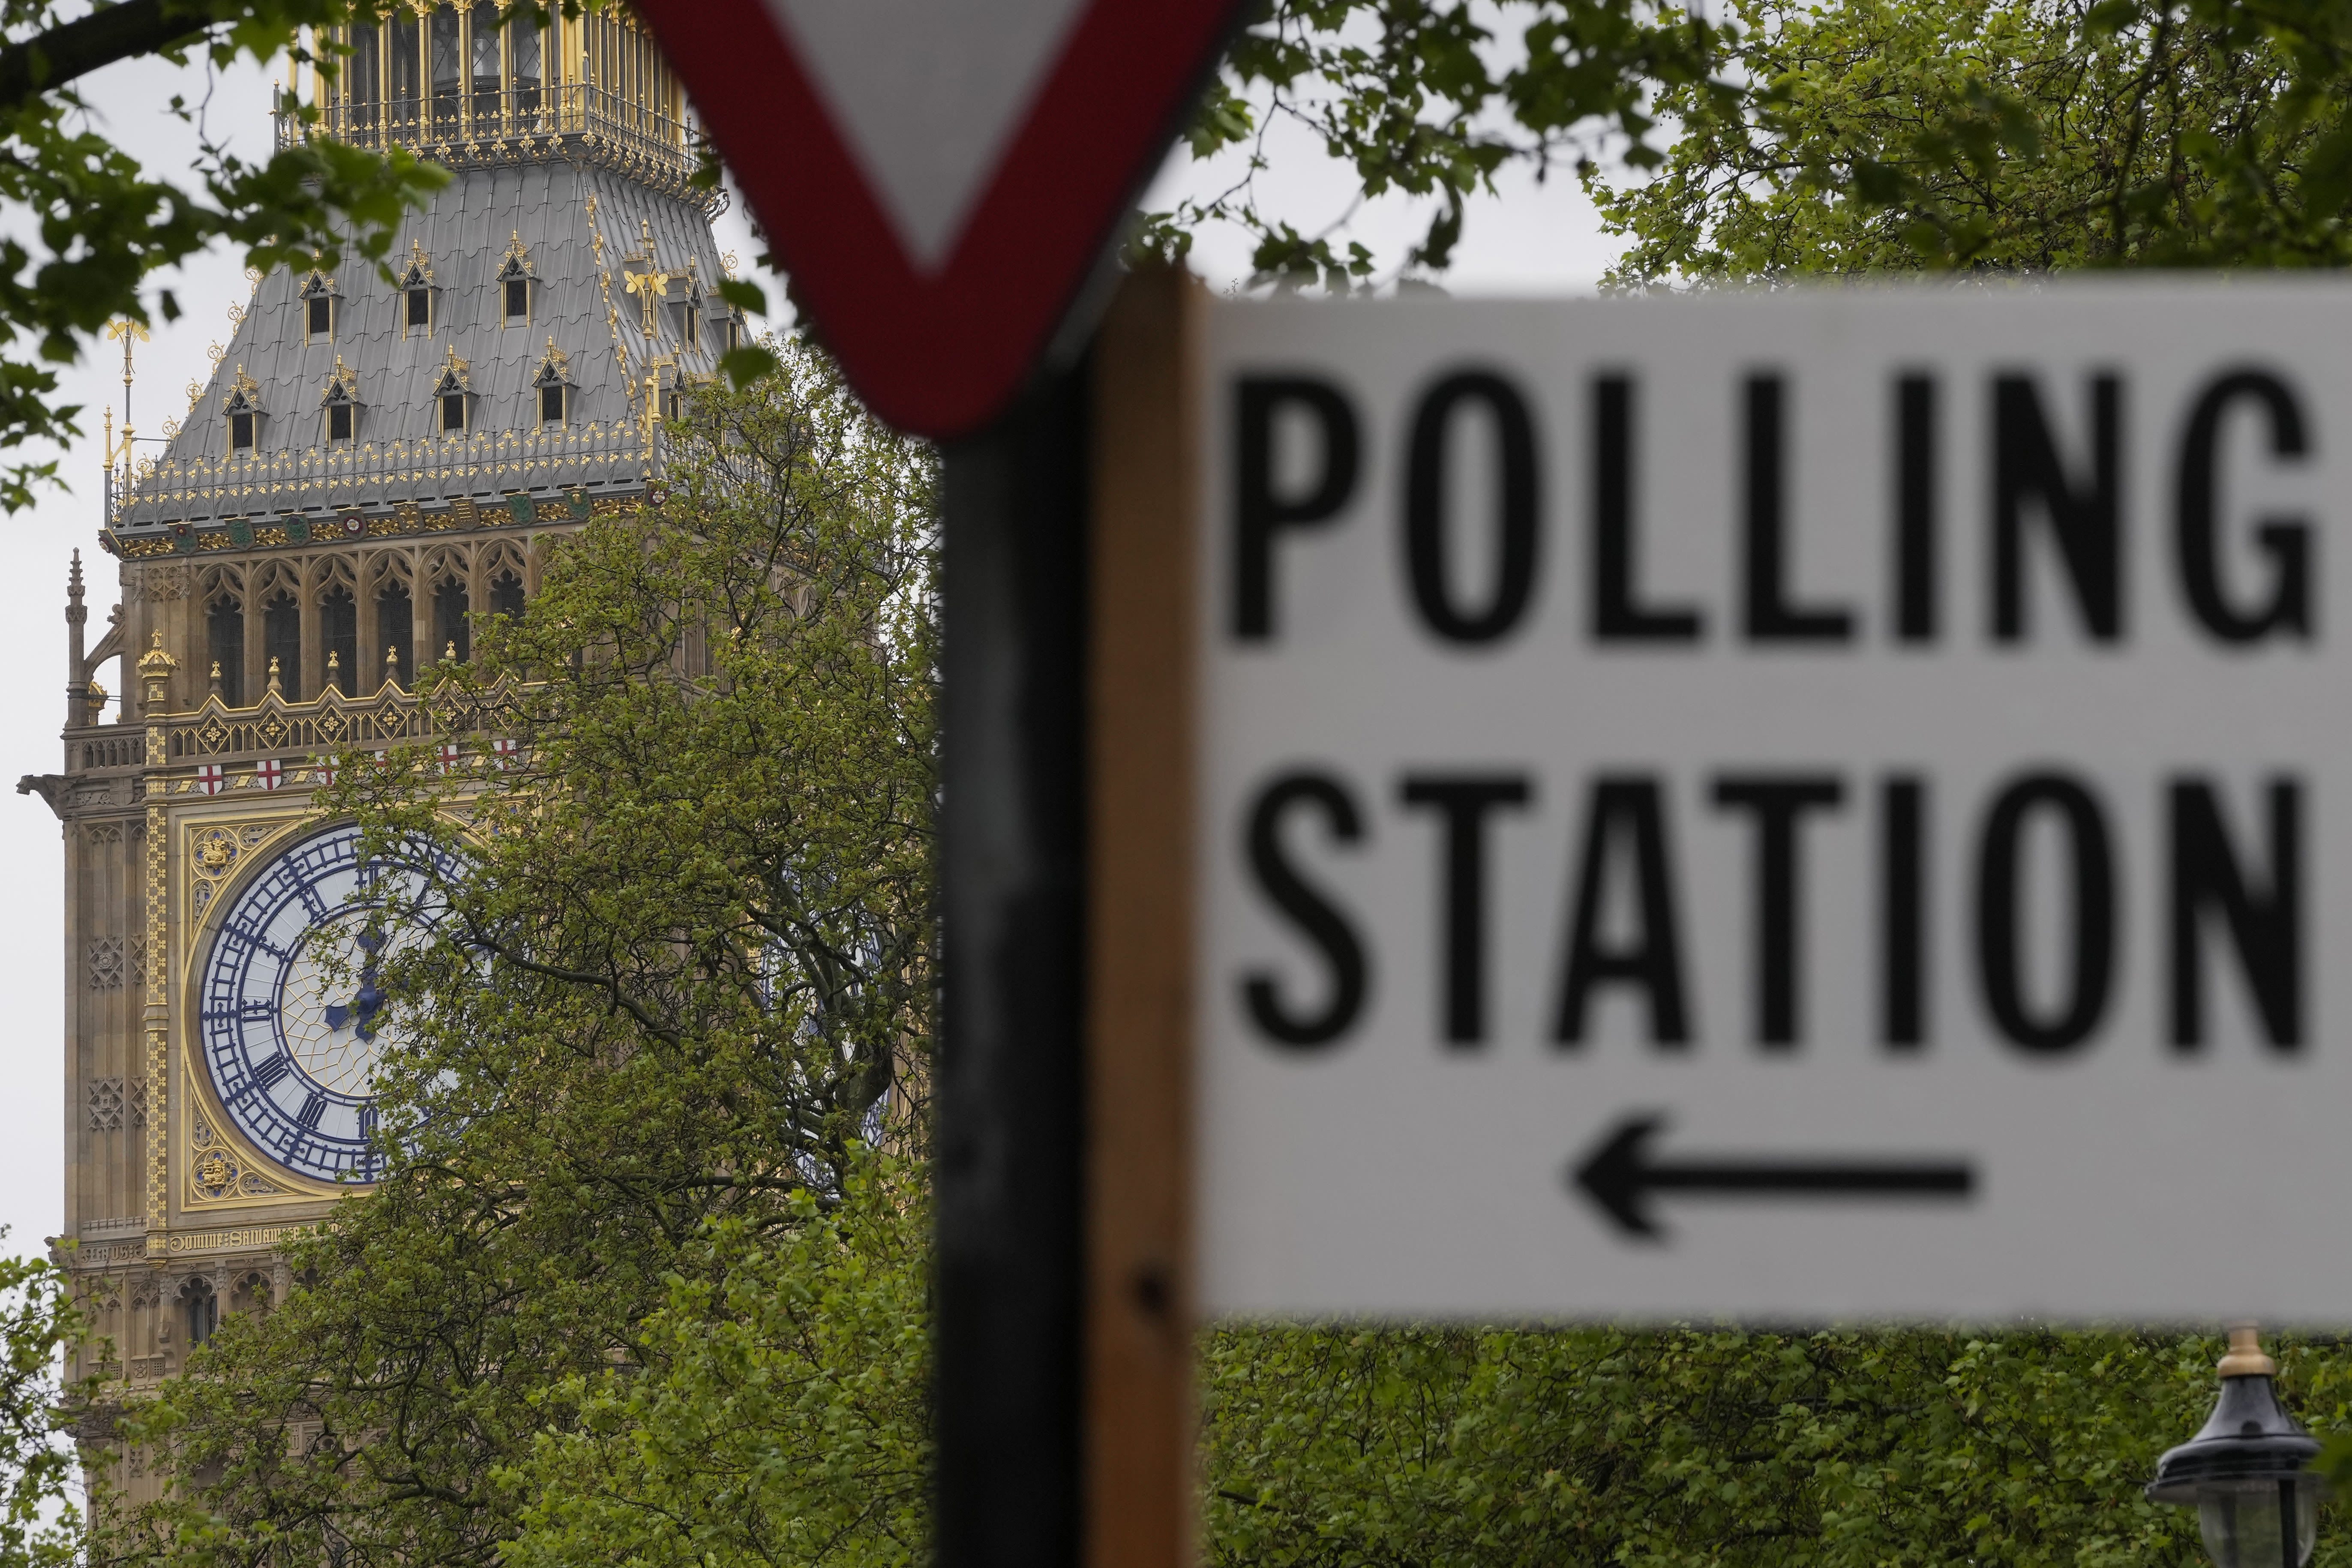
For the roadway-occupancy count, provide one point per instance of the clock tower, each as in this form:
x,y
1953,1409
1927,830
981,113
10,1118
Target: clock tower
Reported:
x,y
372,463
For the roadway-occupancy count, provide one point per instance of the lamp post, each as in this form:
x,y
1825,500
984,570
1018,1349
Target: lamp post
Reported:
x,y
2245,1470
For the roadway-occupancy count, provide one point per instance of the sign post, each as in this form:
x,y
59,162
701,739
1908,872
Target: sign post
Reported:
x,y
1809,804
943,179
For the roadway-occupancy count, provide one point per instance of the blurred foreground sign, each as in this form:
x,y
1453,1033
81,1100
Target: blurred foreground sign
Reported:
x,y
939,176
1835,803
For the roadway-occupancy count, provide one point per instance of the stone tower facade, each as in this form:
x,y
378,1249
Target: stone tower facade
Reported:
x,y
370,463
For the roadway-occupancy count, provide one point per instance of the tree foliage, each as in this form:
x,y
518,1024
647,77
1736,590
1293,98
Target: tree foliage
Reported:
x,y
40,1327
783,1415
1430,98
2017,135
1720,1447
648,1036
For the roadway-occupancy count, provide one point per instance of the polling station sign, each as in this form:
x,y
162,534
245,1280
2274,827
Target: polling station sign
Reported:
x,y
1801,804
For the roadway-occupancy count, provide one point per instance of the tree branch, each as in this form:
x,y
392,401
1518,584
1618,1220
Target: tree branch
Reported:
x,y
47,60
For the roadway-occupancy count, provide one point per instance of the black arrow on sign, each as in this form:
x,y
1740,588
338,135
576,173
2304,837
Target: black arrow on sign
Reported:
x,y
1620,1176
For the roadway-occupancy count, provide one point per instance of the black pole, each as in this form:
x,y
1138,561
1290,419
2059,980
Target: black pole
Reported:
x,y
1011,1093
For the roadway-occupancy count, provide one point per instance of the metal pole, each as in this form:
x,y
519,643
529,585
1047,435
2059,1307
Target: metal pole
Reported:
x,y
1011,1090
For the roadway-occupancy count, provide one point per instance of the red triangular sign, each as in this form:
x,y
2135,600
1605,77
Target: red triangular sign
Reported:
x,y
940,177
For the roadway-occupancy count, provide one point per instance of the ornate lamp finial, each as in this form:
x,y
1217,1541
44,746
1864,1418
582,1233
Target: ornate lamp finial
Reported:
x,y
2246,1358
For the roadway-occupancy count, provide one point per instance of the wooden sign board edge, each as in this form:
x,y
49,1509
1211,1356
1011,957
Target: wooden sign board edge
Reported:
x,y
1142,1497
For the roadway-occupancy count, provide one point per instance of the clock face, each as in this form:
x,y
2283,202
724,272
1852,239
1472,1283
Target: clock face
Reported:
x,y
292,1016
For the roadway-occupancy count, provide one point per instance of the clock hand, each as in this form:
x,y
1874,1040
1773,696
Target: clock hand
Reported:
x,y
371,997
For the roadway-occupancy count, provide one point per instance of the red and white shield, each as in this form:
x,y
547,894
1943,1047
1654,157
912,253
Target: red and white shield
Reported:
x,y
270,773
211,779
447,752
507,751
322,771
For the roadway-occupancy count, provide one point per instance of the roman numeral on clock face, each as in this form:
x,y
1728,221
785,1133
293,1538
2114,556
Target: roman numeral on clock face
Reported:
x,y
268,1073
312,1109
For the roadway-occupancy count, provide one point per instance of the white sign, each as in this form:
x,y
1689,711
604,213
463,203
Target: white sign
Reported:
x,y
1829,804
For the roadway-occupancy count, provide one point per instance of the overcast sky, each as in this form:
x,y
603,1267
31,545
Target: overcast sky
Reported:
x,y
1530,239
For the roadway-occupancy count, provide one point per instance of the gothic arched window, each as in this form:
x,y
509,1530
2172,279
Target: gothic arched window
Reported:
x,y
281,642
203,1309
395,630
224,638
485,31
407,75
450,628
447,63
338,625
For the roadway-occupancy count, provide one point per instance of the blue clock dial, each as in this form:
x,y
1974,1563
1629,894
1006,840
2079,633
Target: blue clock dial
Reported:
x,y
292,1015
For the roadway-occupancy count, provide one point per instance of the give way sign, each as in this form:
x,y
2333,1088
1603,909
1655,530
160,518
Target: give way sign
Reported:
x,y
940,177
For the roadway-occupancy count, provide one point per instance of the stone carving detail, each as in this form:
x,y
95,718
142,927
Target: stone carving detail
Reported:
x,y
160,584
106,1105
136,961
218,1172
138,1087
214,853
104,832
106,962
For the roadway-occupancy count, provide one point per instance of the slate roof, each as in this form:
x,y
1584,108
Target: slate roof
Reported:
x,y
583,229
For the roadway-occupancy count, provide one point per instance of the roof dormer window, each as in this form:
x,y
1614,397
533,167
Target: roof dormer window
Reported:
x,y
244,411
515,281
453,394
340,404
553,386
416,295
317,305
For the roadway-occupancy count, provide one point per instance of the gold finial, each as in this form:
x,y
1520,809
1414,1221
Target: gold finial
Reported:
x,y
274,685
156,659
217,674
451,653
2246,1358
155,667
332,661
